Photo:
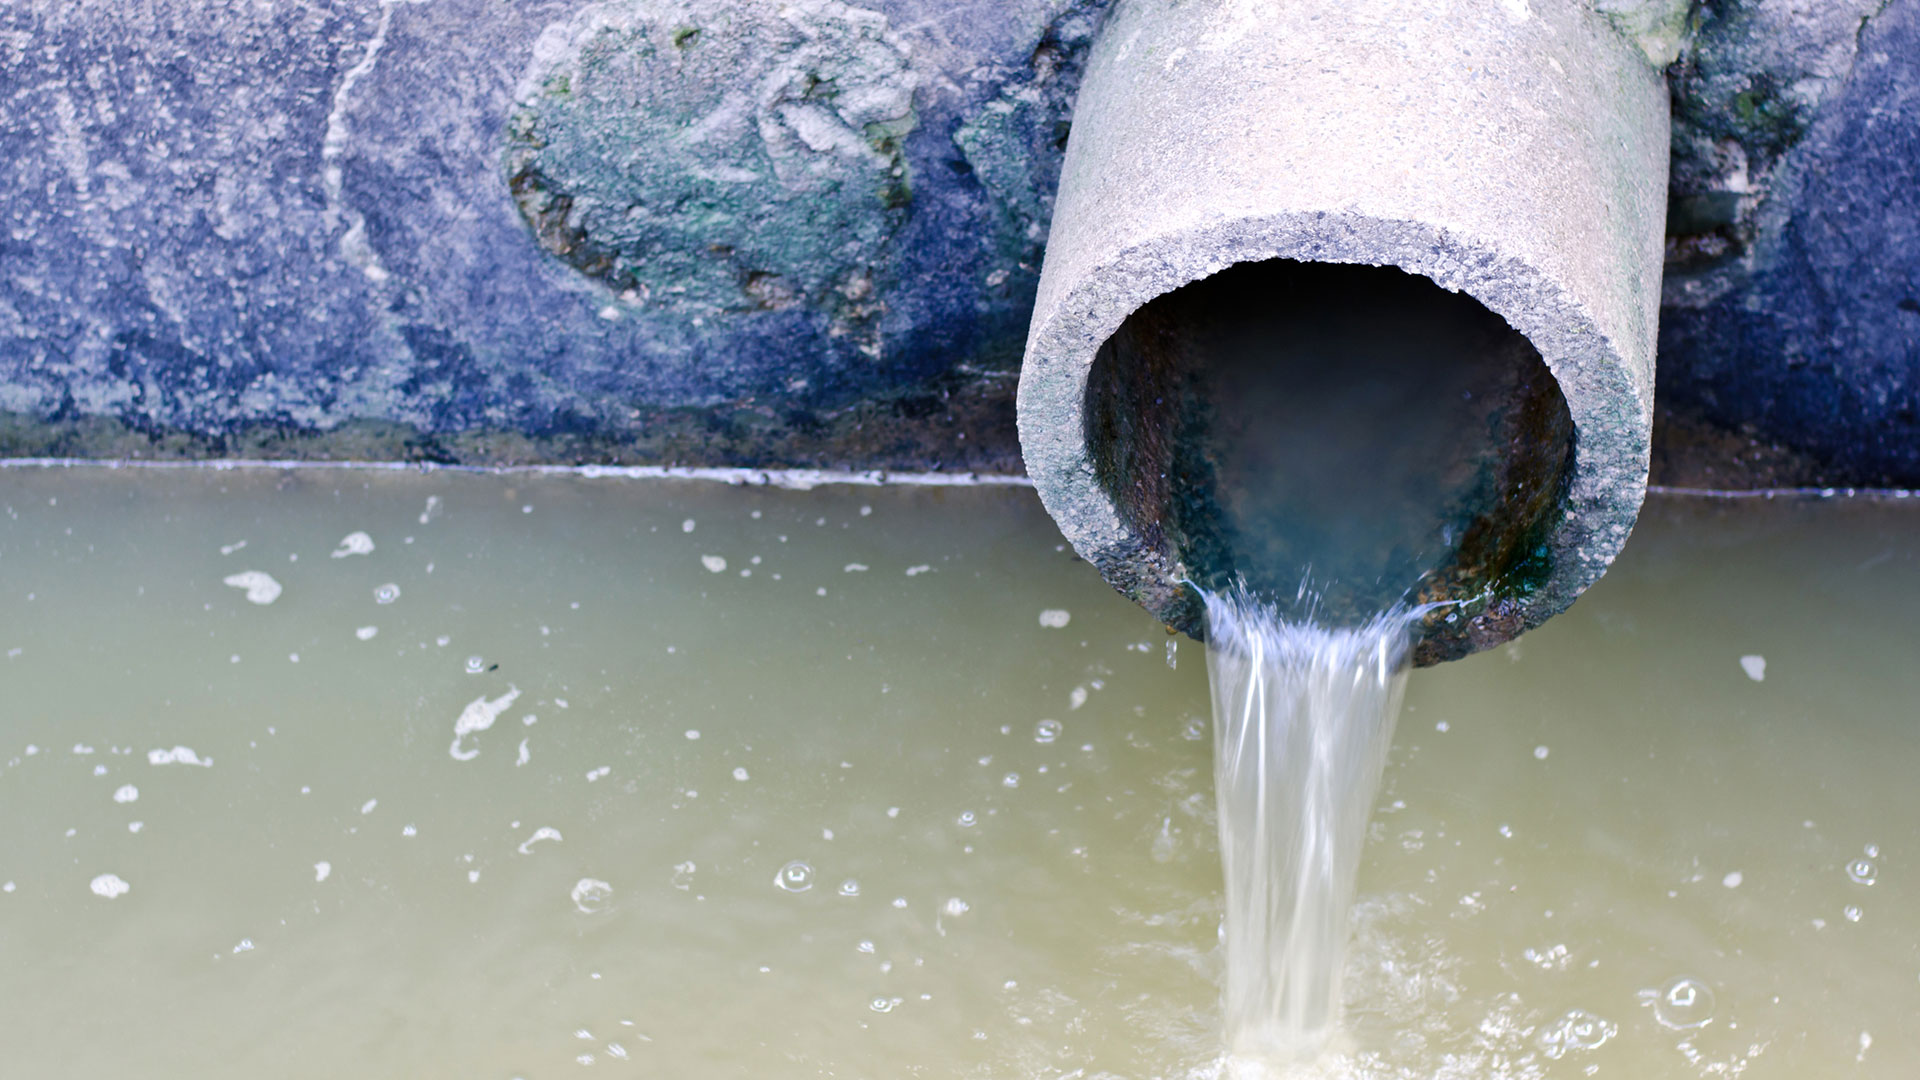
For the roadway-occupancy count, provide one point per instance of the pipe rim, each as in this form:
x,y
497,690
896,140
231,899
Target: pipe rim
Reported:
x,y
1611,409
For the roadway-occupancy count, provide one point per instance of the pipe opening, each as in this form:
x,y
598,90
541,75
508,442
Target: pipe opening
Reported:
x,y
1356,428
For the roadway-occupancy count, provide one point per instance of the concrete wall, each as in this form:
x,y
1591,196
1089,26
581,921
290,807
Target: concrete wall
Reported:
x,y
734,231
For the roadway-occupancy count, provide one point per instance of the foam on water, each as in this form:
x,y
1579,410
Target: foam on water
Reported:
x,y
1302,717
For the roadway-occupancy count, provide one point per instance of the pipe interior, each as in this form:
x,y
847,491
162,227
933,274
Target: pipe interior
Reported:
x,y
1356,429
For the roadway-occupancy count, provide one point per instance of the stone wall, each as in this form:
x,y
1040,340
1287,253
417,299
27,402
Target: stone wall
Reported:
x,y
729,231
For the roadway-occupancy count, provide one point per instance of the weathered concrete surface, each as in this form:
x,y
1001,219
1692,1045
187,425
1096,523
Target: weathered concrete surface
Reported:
x,y
225,215
1513,152
1792,306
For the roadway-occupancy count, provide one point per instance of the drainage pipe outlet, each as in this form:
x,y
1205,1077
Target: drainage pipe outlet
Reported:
x,y
1358,295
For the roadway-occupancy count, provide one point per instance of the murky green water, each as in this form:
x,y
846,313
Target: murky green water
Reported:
x,y
905,827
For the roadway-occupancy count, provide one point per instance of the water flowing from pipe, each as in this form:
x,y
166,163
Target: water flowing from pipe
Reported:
x,y
1302,718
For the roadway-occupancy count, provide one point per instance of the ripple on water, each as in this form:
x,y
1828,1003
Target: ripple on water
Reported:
x,y
796,876
1577,1030
592,895
1683,1004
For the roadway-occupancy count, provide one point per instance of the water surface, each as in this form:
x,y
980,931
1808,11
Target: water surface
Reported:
x,y
883,783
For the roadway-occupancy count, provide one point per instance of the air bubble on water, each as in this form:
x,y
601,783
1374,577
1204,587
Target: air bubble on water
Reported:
x,y
1047,731
1873,851
1055,618
1733,880
900,902
321,869
126,794
355,543
682,878
367,807
109,886
1077,698
796,876
957,907
544,832
1682,1005
476,665
864,946
1540,753
386,594
1011,780
1577,1030
1852,912
714,563
1173,653
246,945
1862,872
1755,666
740,773
881,1005
850,887
591,895
965,820
260,586
366,633
693,734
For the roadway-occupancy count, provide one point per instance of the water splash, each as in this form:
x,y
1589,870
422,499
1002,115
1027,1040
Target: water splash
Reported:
x,y
1302,717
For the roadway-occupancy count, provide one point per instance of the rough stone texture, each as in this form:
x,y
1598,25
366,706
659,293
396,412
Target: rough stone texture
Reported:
x,y
223,215
1513,151
1792,306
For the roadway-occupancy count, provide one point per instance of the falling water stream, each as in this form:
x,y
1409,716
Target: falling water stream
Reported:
x,y
1302,718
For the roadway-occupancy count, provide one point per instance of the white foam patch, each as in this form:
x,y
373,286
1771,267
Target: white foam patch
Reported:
x,y
366,633
228,549
544,832
355,543
109,886
713,563
599,773
479,715
126,794
321,869
260,586
179,755
1055,618
524,755
916,571
1754,666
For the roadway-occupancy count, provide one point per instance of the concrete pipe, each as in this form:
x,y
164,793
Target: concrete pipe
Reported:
x,y
1355,293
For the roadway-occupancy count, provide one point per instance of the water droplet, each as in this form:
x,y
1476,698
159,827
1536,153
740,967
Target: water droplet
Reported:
x,y
591,895
386,594
476,665
796,876
1862,872
1047,730
1577,1030
1682,1004
850,887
